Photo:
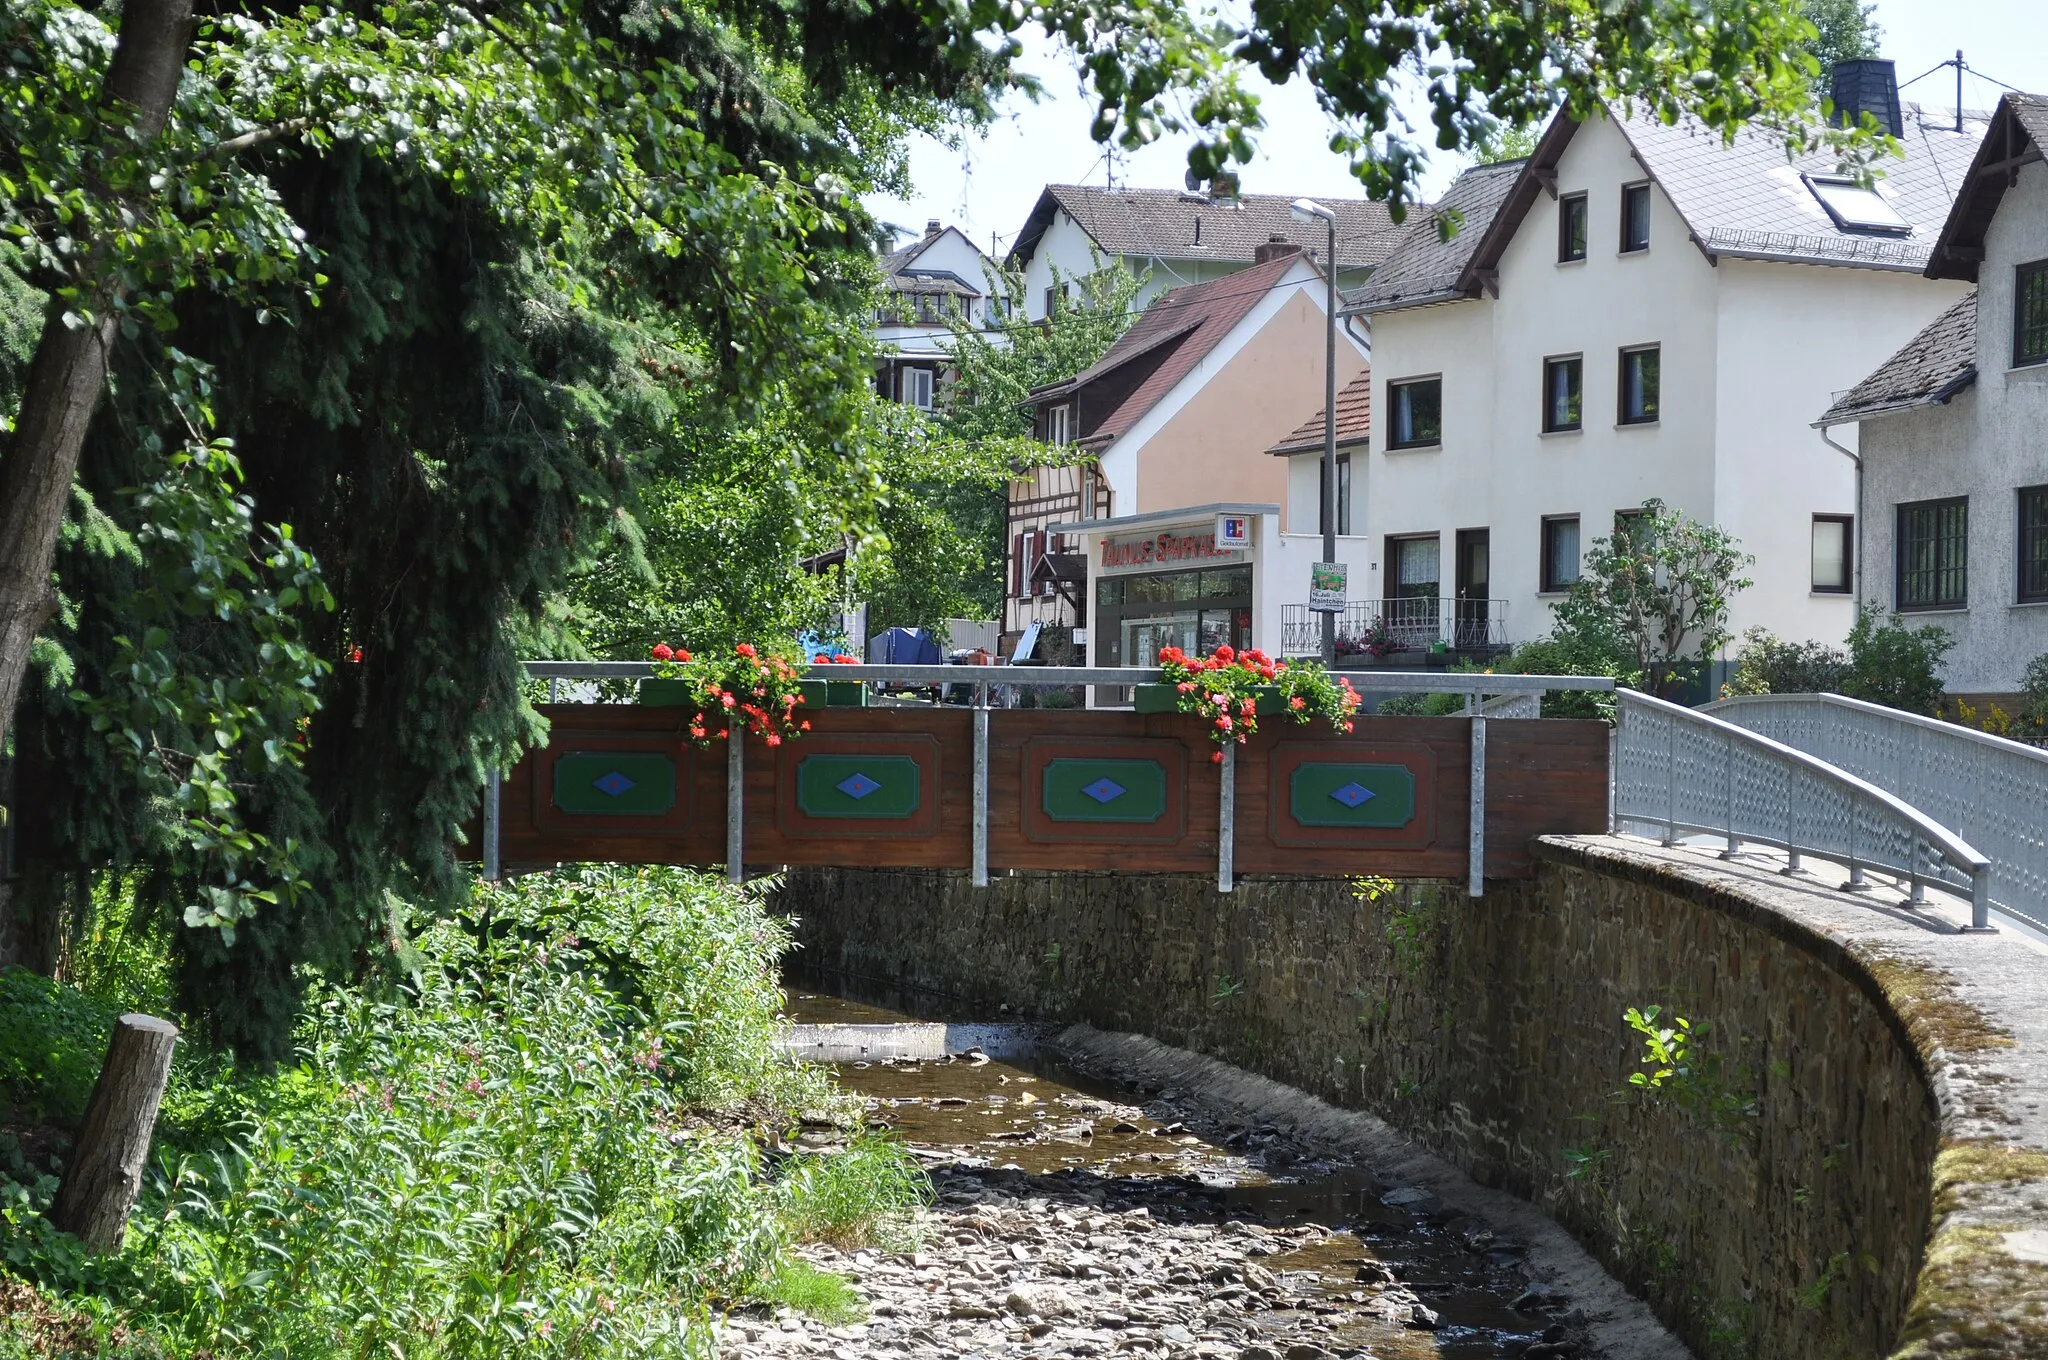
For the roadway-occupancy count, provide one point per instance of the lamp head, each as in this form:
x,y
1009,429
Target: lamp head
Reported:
x,y
1308,210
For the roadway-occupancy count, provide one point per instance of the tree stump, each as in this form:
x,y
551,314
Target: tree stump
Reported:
x,y
105,1173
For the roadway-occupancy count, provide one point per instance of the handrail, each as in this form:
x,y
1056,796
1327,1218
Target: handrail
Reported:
x,y
1402,682
1689,771
1989,787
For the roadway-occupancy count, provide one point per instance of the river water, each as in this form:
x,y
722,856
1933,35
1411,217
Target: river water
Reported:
x,y
1079,1217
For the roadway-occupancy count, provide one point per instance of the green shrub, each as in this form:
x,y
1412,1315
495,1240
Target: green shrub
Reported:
x,y
1894,665
1768,665
537,1148
52,1041
2032,718
1572,654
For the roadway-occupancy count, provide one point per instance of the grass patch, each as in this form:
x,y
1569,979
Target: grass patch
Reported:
x,y
867,1195
1964,1164
815,1293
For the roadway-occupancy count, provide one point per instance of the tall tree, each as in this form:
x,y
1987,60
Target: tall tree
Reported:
x,y
1843,31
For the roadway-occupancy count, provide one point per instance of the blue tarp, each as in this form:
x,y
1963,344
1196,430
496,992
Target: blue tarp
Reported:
x,y
904,647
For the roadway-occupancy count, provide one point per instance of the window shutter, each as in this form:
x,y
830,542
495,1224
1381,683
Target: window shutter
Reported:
x,y
1017,567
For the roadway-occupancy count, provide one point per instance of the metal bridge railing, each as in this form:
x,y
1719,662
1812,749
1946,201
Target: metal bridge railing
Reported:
x,y
1682,771
1990,789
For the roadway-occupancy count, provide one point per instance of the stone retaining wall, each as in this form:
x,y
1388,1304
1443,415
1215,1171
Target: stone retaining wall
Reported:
x,y
1863,1080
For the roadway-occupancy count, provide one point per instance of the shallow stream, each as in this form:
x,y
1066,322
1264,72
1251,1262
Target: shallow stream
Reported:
x,y
1156,1230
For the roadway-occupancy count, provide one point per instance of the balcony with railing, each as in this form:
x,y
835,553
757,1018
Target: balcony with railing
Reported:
x,y
1371,629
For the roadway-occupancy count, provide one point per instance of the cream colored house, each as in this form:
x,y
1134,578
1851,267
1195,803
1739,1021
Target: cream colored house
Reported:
x,y
1179,416
1637,311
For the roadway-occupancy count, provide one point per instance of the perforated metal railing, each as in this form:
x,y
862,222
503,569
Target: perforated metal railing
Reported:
x,y
1989,789
1679,771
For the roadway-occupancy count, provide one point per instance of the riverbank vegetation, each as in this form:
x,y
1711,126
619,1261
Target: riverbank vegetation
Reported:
x,y
568,1131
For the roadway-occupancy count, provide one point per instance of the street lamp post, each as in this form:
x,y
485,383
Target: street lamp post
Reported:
x,y
1306,210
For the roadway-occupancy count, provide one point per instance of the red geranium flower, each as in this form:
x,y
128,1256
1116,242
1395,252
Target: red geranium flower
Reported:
x,y
664,652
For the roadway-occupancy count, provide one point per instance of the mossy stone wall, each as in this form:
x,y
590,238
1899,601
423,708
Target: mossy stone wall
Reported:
x,y
1783,1214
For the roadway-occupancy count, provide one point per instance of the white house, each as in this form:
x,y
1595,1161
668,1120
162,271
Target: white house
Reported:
x,y
936,278
1641,311
1179,416
1179,238
1952,430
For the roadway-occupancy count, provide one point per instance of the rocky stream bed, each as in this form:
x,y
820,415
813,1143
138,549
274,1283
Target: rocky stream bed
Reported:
x,y
1075,1217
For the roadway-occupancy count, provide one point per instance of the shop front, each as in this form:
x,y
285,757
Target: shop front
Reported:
x,y
1194,579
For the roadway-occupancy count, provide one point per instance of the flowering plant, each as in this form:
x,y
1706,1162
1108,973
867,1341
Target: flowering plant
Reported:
x,y
756,690
1225,687
834,659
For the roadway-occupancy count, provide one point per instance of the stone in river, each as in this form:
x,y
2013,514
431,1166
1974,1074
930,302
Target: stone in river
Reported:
x,y
1040,1300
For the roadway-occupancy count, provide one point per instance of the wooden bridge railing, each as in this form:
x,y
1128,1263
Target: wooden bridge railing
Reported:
x,y
951,787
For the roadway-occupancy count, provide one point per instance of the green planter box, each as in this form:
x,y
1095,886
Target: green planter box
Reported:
x,y
666,694
1161,698
834,693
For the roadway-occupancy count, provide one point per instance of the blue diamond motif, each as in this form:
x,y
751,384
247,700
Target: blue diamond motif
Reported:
x,y
857,786
1352,794
1105,791
614,783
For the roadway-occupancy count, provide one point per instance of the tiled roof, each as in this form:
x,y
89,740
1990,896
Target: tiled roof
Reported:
x,y
1745,199
1177,331
1932,367
2032,111
1166,224
1424,267
1354,419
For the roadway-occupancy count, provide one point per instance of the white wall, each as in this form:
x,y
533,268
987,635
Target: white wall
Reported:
x,y
1751,354
1791,336
951,253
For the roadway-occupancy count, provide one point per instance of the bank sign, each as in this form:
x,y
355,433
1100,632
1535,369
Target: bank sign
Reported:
x,y
1169,548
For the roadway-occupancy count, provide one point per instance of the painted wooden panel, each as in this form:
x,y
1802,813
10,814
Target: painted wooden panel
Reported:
x,y
1069,789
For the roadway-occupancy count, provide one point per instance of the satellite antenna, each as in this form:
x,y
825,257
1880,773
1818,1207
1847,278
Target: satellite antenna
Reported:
x,y
1192,180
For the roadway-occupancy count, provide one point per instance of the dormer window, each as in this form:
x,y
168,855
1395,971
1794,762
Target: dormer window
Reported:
x,y
2030,314
1059,424
1855,207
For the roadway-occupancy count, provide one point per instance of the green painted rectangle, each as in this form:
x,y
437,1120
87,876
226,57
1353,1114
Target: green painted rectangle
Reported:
x,y
1320,794
838,786
615,783
1129,790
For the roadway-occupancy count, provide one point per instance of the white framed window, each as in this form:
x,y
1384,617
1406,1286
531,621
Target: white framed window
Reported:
x,y
1832,552
917,388
1059,424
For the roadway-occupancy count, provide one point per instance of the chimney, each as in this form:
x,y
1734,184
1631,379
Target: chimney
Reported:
x,y
1275,246
1867,85
932,228
1224,186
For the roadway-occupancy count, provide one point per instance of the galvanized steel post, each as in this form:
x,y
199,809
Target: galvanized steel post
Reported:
x,y
491,819
1476,848
1226,820
981,786
735,813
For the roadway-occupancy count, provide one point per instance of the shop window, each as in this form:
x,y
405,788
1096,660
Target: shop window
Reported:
x,y
1933,549
1832,553
1560,552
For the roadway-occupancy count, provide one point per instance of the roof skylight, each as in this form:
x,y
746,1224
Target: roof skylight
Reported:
x,y
1856,208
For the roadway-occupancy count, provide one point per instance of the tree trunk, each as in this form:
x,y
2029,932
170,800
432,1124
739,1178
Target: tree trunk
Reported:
x,y
105,1172
70,365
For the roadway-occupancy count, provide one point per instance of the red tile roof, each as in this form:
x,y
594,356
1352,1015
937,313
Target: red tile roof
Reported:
x,y
1354,419
1187,323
